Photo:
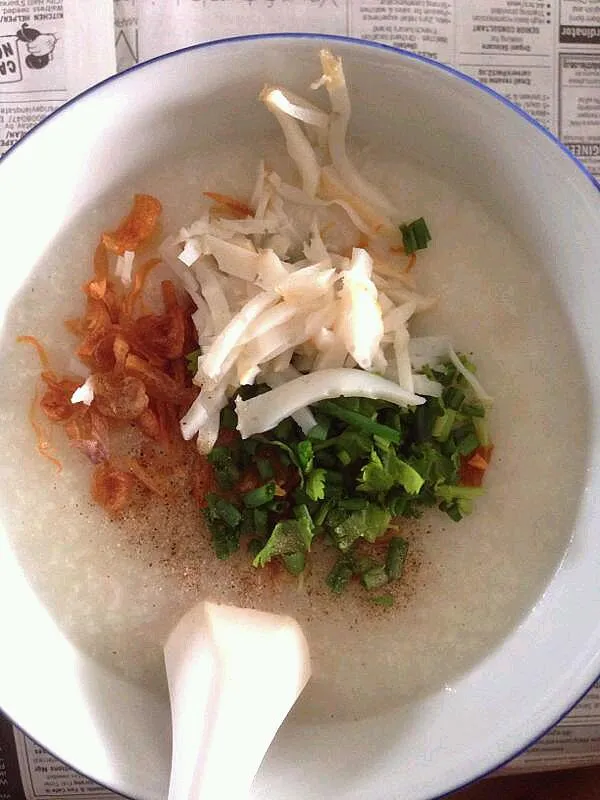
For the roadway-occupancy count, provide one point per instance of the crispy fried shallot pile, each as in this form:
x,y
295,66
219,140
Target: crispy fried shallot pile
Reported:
x,y
137,381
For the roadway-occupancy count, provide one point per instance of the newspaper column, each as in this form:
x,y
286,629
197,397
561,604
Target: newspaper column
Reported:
x,y
511,48
32,65
423,26
179,23
579,81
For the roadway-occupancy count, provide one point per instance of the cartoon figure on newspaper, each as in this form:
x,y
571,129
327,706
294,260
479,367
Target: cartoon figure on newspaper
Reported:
x,y
40,46
31,59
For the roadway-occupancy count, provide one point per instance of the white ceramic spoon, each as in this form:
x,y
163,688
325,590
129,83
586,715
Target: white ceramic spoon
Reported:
x,y
233,676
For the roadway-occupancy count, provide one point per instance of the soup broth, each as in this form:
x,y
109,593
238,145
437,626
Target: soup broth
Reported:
x,y
117,587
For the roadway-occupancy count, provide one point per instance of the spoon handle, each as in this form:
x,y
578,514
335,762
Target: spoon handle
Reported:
x,y
233,676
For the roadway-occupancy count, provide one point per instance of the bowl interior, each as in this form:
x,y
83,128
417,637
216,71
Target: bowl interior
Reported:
x,y
158,121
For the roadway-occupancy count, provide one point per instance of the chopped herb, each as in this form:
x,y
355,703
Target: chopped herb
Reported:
x,y
473,410
359,420
277,506
370,523
226,469
340,575
443,425
374,578
301,512
254,547
285,448
321,514
365,463
319,432
192,361
468,444
385,600
288,537
218,508
304,452
294,562
454,398
353,504
265,468
315,484
481,430
229,418
261,520
449,493
260,496
344,457
396,557
415,235
381,475
225,539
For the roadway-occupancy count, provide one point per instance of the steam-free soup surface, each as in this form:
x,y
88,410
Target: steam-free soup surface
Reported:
x,y
117,587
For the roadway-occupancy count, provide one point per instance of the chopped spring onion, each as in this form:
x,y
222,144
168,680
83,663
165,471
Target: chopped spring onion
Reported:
x,y
374,578
396,557
415,236
260,496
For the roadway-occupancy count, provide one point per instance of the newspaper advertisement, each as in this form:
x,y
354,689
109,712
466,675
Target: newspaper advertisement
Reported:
x,y
50,50
33,80
543,55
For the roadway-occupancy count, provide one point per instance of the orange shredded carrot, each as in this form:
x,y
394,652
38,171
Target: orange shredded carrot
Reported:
x,y
136,227
478,462
100,262
112,303
42,441
179,371
139,281
396,248
169,295
159,385
240,209
149,424
120,351
412,260
146,478
74,326
97,287
111,487
472,470
43,356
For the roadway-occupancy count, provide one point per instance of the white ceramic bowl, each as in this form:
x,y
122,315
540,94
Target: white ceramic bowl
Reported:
x,y
119,733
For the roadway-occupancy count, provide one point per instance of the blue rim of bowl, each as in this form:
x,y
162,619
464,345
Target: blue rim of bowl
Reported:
x,y
416,57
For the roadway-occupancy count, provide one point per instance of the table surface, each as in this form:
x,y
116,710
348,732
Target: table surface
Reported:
x,y
574,784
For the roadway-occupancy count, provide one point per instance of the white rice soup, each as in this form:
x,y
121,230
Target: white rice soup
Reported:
x,y
117,587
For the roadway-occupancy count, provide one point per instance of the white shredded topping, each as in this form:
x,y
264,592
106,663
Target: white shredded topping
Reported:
x,y
124,267
265,411
84,393
310,293
303,417
340,117
190,253
295,106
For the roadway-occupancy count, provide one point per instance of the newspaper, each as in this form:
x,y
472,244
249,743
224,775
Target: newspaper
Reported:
x,y
543,55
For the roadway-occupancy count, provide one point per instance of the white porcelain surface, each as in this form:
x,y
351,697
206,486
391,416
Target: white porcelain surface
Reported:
x,y
119,734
